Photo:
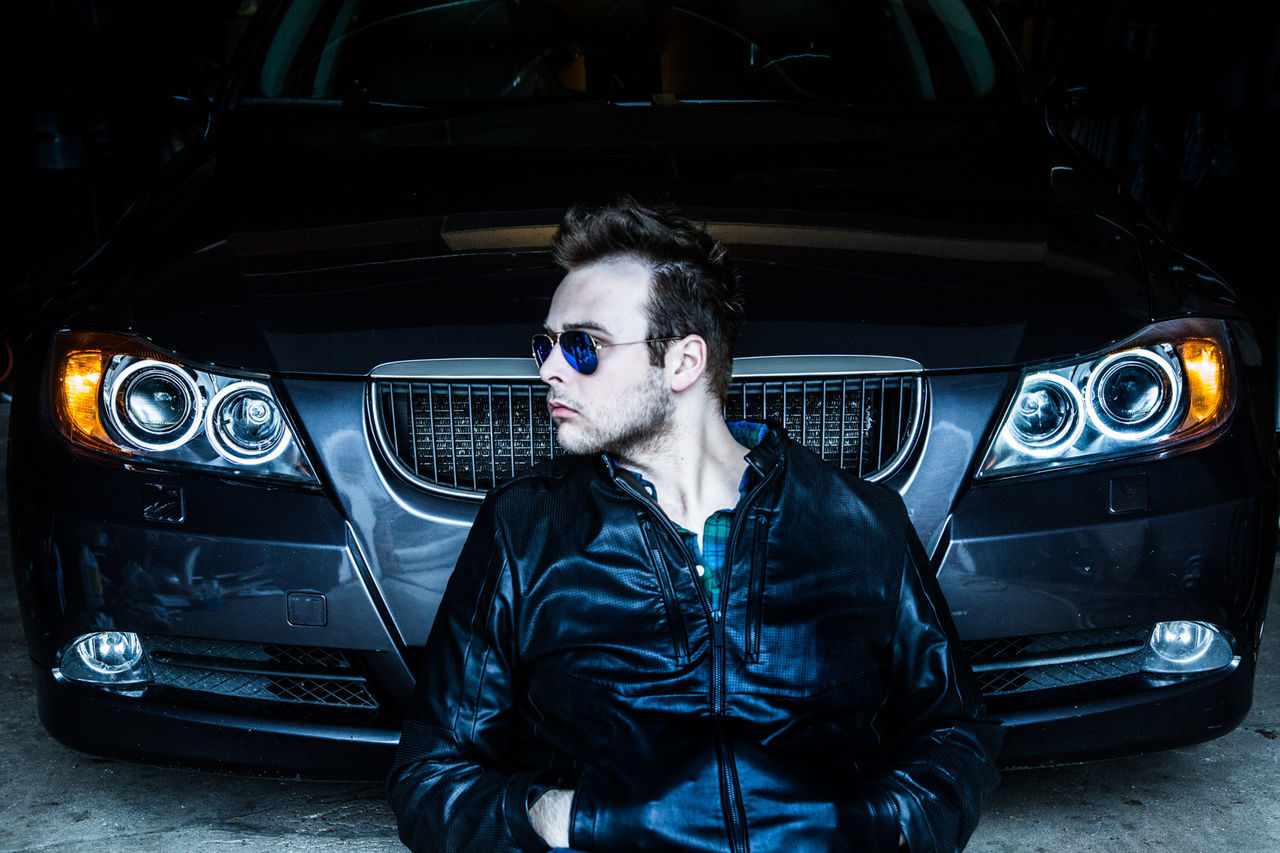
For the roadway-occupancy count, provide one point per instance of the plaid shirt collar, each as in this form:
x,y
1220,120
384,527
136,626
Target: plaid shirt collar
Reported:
x,y
747,433
715,533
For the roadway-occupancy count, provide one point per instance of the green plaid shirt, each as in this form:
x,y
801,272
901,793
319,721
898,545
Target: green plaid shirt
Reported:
x,y
715,533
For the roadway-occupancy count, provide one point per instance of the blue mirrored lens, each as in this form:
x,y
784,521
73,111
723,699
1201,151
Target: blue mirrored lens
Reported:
x,y
578,348
579,351
542,346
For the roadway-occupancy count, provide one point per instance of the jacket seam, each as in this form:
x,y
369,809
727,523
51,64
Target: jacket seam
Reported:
x,y
481,614
580,677
668,591
755,587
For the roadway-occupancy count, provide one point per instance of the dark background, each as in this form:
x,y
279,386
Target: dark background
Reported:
x,y
1180,100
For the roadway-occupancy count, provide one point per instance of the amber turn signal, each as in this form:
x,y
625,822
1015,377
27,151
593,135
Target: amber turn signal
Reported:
x,y
80,362
1206,374
79,378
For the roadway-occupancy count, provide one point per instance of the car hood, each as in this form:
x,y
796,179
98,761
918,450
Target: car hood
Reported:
x,y
966,243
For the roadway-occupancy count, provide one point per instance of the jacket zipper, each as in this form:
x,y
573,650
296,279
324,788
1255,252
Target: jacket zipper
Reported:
x,y
675,617
728,768
675,535
755,591
728,772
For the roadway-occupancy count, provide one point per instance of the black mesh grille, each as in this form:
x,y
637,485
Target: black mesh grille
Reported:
x,y
859,424
300,681
466,437
1011,665
304,656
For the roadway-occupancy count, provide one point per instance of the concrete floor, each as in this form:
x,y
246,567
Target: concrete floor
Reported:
x,y
1218,796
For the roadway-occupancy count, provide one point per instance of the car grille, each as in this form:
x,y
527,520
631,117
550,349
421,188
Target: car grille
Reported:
x,y
1016,665
465,437
294,681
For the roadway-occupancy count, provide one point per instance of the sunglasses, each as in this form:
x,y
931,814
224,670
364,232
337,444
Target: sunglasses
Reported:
x,y
579,349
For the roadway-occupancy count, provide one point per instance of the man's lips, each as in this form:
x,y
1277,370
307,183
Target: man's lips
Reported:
x,y
559,409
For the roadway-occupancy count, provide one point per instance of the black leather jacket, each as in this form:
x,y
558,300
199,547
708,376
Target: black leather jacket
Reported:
x,y
821,707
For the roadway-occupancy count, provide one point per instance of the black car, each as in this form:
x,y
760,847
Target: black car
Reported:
x,y
249,436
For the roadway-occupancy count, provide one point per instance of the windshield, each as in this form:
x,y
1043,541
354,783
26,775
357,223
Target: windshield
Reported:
x,y
515,52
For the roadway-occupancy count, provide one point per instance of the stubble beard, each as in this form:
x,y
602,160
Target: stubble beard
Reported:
x,y
637,426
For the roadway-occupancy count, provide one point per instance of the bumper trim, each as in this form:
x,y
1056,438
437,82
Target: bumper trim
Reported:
x,y
101,722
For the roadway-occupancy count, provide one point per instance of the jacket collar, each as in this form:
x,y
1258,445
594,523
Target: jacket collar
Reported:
x,y
768,454
763,458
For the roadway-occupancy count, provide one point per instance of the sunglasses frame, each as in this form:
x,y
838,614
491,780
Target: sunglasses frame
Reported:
x,y
595,345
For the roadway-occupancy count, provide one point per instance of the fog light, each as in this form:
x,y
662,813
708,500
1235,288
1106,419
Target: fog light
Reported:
x,y
1177,648
106,657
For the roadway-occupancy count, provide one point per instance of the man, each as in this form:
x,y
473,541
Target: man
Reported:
x,y
690,635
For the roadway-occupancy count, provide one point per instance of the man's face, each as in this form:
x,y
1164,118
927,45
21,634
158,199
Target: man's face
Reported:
x,y
625,405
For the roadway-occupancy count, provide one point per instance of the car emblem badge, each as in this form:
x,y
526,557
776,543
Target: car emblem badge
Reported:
x,y
164,503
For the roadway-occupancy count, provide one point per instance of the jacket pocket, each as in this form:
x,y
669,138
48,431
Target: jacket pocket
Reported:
x,y
755,590
675,618
567,726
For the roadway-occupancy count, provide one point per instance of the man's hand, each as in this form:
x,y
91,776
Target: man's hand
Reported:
x,y
549,815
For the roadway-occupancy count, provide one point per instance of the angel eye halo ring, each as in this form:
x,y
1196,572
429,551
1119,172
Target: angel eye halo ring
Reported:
x,y
156,405
245,425
1132,394
1047,415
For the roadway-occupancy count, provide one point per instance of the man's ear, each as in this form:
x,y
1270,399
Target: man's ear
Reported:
x,y
686,361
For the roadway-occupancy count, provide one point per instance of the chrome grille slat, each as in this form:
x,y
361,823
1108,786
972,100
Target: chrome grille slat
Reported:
x,y
471,433
491,433
511,447
413,431
862,396
844,393
453,435
431,426
880,432
467,435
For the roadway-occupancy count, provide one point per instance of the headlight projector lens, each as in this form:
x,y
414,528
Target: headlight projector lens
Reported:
x,y
1132,394
156,405
1046,415
245,424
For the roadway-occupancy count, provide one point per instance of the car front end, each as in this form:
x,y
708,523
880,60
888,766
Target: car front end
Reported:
x,y
249,436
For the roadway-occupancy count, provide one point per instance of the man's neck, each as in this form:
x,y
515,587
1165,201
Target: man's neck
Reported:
x,y
695,470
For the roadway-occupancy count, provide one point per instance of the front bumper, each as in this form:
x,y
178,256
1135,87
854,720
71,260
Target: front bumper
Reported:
x,y
103,722
1056,581
1177,714
258,612
1020,557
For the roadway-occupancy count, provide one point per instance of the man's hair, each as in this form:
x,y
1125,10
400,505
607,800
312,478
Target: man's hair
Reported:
x,y
694,285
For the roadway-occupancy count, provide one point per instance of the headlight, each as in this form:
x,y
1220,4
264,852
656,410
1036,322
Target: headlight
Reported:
x,y
122,396
1165,386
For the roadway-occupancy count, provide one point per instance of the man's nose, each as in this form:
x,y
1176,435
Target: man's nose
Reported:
x,y
554,367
